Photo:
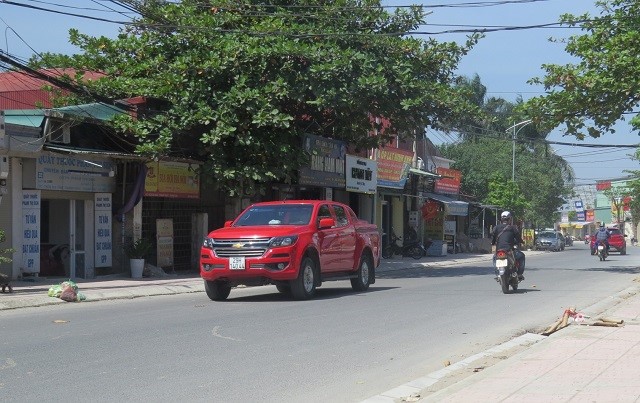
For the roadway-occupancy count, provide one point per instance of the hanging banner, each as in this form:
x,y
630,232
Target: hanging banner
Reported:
x,y
103,247
393,167
31,203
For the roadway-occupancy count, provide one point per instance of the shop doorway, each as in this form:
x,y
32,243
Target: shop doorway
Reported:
x,y
62,244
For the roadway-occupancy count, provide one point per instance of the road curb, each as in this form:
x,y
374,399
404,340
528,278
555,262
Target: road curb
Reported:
x,y
411,391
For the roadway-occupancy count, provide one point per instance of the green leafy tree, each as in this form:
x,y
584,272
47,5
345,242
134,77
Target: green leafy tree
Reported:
x,y
590,96
541,179
506,194
243,81
617,194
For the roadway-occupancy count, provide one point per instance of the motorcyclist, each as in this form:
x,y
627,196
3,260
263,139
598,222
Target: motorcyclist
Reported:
x,y
506,236
602,235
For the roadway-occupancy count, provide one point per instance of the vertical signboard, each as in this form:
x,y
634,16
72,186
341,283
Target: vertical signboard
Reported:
x,y
31,231
103,242
164,234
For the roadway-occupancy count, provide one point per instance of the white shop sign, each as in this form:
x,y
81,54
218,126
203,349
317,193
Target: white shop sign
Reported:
x,y
362,175
74,174
103,247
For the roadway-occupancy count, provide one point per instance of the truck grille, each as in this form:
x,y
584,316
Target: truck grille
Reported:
x,y
254,247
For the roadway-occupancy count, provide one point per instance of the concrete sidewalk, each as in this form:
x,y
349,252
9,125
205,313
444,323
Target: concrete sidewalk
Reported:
x,y
579,363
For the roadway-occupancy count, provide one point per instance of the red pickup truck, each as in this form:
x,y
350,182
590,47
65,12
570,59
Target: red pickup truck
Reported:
x,y
294,244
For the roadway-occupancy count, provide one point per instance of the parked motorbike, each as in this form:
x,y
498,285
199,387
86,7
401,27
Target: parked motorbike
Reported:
x,y
506,270
602,251
413,248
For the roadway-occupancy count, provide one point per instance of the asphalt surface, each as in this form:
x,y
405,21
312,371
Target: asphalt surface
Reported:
x,y
589,359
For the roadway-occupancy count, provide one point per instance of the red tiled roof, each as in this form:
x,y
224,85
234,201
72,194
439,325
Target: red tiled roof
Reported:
x,y
19,90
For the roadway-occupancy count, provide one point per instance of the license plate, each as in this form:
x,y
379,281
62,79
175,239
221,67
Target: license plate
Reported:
x,y
501,263
236,263
600,247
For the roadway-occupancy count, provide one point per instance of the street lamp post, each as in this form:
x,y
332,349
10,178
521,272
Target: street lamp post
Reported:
x,y
519,125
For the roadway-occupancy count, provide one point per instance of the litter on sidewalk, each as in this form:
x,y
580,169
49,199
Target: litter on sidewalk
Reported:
x,y
67,291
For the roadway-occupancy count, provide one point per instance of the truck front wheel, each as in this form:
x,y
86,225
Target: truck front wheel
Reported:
x,y
304,286
217,290
363,279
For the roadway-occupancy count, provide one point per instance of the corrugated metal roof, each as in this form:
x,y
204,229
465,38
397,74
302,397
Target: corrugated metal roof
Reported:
x,y
18,90
32,99
24,117
96,111
21,81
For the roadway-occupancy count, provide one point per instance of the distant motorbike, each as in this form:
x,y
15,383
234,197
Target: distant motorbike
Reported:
x,y
602,251
412,248
506,270
587,239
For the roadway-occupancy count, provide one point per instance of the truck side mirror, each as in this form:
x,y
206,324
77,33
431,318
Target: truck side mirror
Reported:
x,y
326,223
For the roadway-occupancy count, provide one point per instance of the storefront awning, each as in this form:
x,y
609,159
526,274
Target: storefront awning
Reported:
x,y
27,117
91,152
420,172
452,207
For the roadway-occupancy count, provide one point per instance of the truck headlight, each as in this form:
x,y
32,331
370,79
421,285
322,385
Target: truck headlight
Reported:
x,y
208,243
283,241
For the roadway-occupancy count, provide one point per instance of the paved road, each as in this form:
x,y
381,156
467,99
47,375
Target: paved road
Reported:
x,y
343,346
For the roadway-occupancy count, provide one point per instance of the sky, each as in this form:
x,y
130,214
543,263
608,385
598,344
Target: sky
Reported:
x,y
504,60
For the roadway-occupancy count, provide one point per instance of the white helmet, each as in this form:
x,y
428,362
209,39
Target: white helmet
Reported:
x,y
505,215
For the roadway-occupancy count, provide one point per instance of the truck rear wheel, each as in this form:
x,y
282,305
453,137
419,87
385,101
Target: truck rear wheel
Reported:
x,y
217,290
363,279
304,286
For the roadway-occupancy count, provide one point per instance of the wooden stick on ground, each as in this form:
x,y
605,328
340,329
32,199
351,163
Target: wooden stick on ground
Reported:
x,y
617,321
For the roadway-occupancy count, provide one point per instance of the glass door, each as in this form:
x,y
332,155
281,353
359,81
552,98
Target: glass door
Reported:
x,y
76,238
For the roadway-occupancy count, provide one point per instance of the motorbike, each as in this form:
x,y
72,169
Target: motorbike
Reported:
x,y
602,251
506,270
413,248
587,239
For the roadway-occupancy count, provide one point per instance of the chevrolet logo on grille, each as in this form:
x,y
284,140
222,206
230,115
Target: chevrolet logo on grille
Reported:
x,y
237,245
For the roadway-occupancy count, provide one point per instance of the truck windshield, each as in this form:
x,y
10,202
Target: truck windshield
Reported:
x,y
286,214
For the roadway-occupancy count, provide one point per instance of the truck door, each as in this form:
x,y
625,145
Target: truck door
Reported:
x,y
346,239
328,242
